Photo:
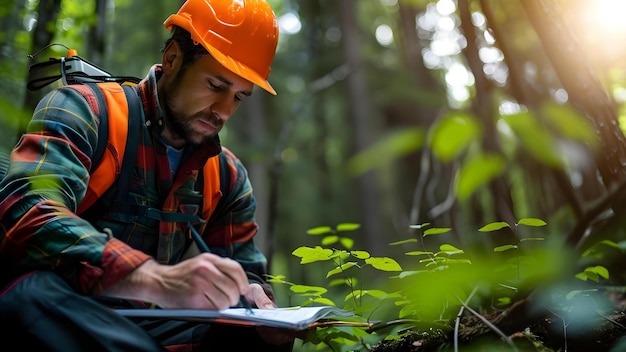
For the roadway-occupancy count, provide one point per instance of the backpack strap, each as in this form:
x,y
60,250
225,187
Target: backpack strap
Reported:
x,y
115,111
132,142
103,127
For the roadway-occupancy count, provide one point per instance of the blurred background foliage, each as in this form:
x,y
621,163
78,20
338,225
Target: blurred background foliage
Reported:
x,y
391,113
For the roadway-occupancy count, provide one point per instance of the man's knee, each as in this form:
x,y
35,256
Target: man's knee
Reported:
x,y
30,293
42,311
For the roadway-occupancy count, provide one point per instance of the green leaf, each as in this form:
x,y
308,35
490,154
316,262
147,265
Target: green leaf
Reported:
x,y
351,295
410,240
535,138
360,254
504,248
452,134
347,227
532,239
503,301
571,123
384,264
278,279
383,152
599,270
450,249
532,222
351,281
407,311
346,242
343,267
599,249
433,260
328,240
494,226
437,231
323,301
418,253
572,294
458,261
356,294
316,290
477,172
584,277
341,254
408,273
319,230
311,255
376,293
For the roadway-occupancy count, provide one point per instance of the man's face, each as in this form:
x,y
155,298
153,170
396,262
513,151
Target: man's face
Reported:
x,y
200,99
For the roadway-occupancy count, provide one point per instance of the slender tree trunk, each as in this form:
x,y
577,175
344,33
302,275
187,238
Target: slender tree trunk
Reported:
x,y
97,34
360,114
11,23
482,105
43,33
254,133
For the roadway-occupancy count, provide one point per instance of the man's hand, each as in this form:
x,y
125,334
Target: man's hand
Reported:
x,y
206,281
256,296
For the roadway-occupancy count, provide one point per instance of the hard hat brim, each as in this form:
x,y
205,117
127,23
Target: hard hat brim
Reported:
x,y
229,63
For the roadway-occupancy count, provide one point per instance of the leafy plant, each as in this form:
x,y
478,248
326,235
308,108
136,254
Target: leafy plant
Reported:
x,y
433,289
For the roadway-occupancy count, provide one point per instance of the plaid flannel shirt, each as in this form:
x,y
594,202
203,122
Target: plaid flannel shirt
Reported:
x,y
48,177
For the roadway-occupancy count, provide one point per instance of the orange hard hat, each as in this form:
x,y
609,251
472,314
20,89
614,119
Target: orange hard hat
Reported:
x,y
240,34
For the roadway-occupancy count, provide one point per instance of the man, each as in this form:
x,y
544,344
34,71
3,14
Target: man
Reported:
x,y
63,271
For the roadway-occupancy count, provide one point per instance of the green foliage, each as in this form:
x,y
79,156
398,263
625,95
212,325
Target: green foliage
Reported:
x,y
453,134
593,273
11,117
535,138
433,286
478,171
570,124
499,225
394,146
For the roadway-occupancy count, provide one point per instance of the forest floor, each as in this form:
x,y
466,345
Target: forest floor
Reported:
x,y
525,328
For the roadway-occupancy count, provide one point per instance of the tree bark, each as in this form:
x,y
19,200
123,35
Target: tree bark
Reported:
x,y
360,114
482,105
582,84
48,12
97,34
253,131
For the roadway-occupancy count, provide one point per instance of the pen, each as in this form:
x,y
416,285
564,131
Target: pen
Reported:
x,y
205,249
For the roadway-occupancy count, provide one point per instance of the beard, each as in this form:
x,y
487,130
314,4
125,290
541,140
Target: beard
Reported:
x,y
181,124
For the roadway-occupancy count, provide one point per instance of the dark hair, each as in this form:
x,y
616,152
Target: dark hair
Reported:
x,y
190,49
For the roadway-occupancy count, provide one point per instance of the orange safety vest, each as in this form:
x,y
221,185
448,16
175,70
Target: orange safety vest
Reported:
x,y
108,167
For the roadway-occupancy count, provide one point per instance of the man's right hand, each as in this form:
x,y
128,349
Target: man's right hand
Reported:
x,y
206,281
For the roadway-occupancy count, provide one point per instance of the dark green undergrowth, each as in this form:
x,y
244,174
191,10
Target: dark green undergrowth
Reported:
x,y
527,295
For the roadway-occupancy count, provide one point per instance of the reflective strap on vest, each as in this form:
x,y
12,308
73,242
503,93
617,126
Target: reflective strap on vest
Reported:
x,y
109,166
211,189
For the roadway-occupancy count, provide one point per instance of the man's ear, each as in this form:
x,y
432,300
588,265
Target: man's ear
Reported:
x,y
171,57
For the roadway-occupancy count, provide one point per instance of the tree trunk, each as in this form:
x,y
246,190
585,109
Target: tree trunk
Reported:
x,y
97,34
482,106
254,133
360,114
582,85
48,13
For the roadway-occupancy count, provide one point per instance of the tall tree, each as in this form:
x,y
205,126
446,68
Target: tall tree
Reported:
x,y
42,35
360,112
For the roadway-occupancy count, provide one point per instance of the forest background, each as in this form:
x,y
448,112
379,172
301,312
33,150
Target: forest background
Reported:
x,y
396,115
